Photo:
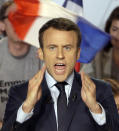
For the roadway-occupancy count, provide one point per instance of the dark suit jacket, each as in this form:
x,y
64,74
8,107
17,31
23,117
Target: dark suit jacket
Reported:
x,y
78,117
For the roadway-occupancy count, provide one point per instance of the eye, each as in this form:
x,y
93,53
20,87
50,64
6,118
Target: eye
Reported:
x,y
114,29
68,48
52,47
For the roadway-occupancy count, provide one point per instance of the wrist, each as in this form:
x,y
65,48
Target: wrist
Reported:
x,y
96,108
26,107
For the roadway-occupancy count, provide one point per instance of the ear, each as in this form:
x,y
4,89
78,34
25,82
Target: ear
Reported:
x,y
2,27
78,53
40,54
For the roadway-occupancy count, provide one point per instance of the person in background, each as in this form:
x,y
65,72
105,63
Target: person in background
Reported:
x,y
106,63
18,61
57,98
115,90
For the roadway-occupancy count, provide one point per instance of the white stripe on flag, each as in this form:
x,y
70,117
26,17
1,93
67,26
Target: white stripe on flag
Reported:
x,y
74,7
51,9
59,2
32,34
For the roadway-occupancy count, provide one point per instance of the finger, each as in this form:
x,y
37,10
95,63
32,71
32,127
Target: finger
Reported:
x,y
83,94
36,80
39,79
84,85
88,82
85,78
37,54
39,74
82,77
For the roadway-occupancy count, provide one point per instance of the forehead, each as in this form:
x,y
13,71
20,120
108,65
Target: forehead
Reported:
x,y
53,36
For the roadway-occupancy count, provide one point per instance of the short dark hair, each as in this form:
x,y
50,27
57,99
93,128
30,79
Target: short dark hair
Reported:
x,y
113,16
3,9
60,24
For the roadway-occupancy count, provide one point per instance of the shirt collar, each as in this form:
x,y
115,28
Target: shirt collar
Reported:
x,y
51,81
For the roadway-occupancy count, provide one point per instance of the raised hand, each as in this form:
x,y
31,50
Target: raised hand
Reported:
x,y
88,94
34,91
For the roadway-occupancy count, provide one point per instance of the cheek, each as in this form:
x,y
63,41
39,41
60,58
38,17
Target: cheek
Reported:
x,y
49,58
114,34
115,43
72,60
72,57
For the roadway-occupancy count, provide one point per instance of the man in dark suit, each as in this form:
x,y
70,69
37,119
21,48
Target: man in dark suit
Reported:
x,y
57,98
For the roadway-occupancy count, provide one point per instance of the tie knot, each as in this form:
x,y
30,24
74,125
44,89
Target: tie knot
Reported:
x,y
61,86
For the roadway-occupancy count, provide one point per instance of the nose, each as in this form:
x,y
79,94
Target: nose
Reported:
x,y
60,53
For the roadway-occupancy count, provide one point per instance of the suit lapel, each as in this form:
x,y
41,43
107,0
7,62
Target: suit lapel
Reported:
x,y
74,99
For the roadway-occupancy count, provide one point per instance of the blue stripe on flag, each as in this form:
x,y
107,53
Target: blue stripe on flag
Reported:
x,y
65,3
93,40
78,2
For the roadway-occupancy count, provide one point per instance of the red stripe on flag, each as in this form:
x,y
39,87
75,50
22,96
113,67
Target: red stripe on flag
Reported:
x,y
29,7
77,67
17,18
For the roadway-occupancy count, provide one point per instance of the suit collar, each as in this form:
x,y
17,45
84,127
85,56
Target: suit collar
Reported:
x,y
51,81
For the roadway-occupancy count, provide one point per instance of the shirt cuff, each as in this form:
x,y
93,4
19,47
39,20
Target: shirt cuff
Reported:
x,y
22,116
99,118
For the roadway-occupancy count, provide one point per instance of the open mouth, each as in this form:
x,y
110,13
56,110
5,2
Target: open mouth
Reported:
x,y
60,68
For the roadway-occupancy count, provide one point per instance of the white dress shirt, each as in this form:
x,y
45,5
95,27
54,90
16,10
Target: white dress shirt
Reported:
x,y
22,116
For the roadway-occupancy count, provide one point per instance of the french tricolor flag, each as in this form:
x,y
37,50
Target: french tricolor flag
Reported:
x,y
32,14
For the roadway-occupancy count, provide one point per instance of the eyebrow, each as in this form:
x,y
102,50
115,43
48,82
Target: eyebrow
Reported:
x,y
113,26
62,45
68,45
51,45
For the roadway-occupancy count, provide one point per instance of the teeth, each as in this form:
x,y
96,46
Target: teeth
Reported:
x,y
59,64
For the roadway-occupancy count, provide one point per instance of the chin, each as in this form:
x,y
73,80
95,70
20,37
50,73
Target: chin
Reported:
x,y
19,56
60,78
